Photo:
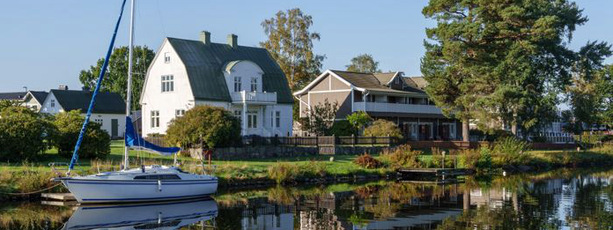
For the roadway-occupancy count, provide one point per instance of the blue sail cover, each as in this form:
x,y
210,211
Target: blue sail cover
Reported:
x,y
134,140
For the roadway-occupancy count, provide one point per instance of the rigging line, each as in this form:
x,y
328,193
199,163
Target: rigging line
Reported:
x,y
90,109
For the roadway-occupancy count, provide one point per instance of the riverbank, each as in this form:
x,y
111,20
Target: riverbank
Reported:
x,y
19,179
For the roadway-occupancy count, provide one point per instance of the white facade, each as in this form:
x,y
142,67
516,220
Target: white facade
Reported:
x,y
31,102
113,124
163,100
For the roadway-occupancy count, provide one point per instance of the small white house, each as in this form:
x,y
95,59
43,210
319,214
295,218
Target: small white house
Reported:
x,y
244,80
34,100
109,110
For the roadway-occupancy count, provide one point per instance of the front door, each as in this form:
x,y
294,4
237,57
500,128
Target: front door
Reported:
x,y
114,127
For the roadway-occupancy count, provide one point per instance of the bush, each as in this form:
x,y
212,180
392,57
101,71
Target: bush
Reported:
x,y
314,169
367,161
22,133
96,142
511,150
208,125
485,158
358,120
383,128
342,128
283,172
403,156
469,158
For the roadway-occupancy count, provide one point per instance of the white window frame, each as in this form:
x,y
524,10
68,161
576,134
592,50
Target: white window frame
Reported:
x,y
99,121
155,118
252,120
179,112
254,84
167,57
238,84
168,83
278,119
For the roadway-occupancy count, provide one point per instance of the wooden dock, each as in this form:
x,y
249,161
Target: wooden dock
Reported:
x,y
58,196
438,172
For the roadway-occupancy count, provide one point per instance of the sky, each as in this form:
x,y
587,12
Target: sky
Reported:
x,y
47,43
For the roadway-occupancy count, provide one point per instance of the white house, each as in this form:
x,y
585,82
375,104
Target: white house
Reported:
x,y
244,80
34,100
109,110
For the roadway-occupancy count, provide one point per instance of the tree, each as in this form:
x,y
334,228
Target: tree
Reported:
x,y
204,126
116,79
493,60
359,120
22,133
290,42
342,128
364,63
383,128
591,85
96,142
320,118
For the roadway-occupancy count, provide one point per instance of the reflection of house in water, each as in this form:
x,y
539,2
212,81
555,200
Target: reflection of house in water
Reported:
x,y
494,198
423,208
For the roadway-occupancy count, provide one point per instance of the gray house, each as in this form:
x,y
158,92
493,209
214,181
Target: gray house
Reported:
x,y
390,96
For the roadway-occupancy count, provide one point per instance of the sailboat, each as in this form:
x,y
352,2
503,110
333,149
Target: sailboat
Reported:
x,y
147,183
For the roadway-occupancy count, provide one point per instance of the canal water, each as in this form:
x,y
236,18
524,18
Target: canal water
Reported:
x,y
563,199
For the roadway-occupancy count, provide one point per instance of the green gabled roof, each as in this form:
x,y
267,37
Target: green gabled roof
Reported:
x,y
205,62
106,102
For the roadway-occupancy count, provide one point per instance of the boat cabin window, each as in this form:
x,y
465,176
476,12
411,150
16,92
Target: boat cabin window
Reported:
x,y
158,177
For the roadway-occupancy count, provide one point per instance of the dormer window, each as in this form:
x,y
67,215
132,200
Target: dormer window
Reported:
x,y
237,84
254,84
167,57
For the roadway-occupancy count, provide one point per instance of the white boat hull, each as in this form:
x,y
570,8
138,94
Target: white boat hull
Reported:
x,y
114,191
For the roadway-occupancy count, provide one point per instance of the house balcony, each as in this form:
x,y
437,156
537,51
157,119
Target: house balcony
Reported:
x,y
254,97
396,108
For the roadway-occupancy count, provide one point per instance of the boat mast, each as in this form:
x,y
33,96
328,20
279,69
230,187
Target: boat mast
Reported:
x,y
129,93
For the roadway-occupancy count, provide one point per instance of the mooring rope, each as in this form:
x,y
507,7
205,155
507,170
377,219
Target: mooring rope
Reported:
x,y
34,192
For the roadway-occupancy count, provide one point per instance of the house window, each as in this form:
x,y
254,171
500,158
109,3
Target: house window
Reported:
x,y
52,103
252,120
99,121
278,119
237,84
238,115
34,107
168,84
155,119
167,57
179,112
254,84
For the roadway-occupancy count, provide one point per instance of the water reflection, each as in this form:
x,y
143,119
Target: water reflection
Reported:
x,y
172,215
563,199
555,200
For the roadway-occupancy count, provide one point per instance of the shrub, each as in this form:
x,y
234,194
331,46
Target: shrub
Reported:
x,y
437,161
22,133
96,142
342,128
358,120
485,158
314,169
511,150
283,172
383,128
208,125
367,161
403,156
469,158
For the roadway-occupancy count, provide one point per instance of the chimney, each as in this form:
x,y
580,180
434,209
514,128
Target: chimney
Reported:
x,y
233,40
63,87
205,37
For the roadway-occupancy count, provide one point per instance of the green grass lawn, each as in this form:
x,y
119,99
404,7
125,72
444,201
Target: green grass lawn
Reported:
x,y
248,168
